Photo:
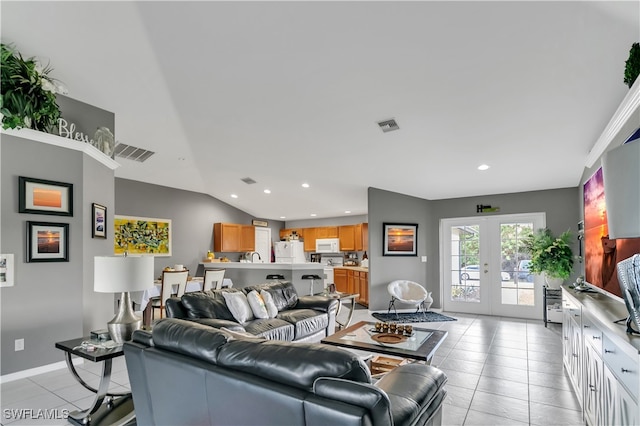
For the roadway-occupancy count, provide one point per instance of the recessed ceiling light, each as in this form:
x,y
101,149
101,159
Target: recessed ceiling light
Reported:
x,y
313,215
283,217
234,196
347,211
483,167
305,185
267,191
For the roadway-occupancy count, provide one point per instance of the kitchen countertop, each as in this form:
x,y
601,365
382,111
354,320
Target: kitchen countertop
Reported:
x,y
273,266
353,268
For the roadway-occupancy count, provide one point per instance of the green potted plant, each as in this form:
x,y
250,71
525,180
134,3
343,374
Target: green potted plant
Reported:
x,y
550,255
28,93
632,65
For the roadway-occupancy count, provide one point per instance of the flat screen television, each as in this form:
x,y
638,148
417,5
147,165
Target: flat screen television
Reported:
x,y
602,254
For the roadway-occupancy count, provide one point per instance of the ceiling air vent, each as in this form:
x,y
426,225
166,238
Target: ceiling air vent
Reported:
x,y
132,152
388,125
248,181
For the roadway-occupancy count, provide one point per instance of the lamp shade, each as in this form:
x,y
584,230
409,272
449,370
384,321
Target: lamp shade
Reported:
x,y
621,176
113,274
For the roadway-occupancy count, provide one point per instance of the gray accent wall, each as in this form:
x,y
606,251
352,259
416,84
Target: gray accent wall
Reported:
x,y
560,205
192,217
329,221
50,301
386,206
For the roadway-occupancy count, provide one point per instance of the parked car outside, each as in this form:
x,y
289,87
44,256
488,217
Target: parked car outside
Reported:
x,y
522,273
472,272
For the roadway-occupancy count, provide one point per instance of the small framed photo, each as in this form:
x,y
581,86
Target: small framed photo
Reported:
x,y
98,221
45,197
47,242
6,270
400,239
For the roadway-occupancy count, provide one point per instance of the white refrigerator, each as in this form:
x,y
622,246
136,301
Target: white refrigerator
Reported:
x,y
289,252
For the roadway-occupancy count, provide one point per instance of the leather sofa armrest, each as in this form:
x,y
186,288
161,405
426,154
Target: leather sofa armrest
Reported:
x,y
319,303
175,308
360,394
416,391
142,336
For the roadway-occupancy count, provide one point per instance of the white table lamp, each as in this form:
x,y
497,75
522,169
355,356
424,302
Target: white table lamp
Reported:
x,y
123,274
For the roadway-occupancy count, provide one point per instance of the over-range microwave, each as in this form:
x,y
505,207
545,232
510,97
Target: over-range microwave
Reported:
x,y
328,245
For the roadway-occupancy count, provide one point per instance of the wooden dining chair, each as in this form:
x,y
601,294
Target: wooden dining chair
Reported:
x,y
169,279
213,279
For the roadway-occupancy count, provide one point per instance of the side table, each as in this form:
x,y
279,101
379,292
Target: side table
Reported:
x,y
343,297
107,408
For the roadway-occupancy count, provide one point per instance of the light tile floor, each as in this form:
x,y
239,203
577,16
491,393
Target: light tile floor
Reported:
x,y
502,371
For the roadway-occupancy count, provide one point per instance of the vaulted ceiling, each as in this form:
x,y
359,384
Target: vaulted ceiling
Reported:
x,y
291,92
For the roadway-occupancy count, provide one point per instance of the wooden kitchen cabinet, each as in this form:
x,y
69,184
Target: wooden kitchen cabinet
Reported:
x,y
309,235
233,237
362,288
347,235
284,233
362,236
351,281
340,279
327,232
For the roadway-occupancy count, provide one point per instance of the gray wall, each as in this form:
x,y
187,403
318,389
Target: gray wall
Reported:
x,y
192,217
386,206
560,205
329,221
47,303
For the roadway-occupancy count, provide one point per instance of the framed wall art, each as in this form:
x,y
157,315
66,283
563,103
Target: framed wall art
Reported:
x,y
400,239
142,235
47,242
41,196
98,221
6,270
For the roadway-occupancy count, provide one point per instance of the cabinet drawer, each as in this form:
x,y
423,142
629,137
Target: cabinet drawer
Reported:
x,y
591,334
622,366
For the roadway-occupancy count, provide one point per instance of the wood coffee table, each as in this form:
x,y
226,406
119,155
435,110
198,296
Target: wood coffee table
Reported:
x,y
421,346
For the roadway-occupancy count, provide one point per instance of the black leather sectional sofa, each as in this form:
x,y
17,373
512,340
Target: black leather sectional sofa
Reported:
x,y
184,373
299,318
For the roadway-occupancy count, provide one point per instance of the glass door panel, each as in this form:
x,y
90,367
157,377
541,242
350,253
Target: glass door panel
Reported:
x,y
487,267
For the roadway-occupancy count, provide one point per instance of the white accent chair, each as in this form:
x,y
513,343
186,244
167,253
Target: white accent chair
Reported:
x,y
213,279
408,292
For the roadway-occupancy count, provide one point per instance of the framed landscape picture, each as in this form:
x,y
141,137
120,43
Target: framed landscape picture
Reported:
x,y
98,221
47,242
142,235
45,197
400,239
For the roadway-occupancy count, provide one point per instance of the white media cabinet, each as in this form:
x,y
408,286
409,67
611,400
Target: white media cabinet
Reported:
x,y
601,359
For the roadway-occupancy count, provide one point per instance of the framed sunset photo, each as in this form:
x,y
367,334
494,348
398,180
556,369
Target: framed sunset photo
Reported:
x,y
41,196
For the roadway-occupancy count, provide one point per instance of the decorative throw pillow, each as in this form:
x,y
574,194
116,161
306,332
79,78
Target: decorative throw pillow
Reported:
x,y
272,310
239,306
257,305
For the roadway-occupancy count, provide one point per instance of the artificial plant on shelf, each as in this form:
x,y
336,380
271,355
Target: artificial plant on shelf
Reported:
x,y
632,65
550,255
28,92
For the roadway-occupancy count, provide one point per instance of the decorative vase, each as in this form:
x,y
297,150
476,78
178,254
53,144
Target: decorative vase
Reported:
x,y
428,301
553,282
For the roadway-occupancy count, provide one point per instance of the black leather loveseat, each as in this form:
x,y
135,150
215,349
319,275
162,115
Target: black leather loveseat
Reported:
x,y
184,373
299,318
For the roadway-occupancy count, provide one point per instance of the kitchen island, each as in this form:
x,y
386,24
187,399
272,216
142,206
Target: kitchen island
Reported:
x,y
245,274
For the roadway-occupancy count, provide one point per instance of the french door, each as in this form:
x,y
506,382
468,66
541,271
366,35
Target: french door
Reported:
x,y
485,268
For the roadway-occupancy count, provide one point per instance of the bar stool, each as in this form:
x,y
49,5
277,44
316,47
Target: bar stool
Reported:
x,y
313,278
275,277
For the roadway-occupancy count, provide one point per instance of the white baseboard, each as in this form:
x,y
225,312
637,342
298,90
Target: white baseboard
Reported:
x,y
38,370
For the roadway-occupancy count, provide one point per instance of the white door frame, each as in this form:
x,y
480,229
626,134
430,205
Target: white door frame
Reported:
x,y
490,303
